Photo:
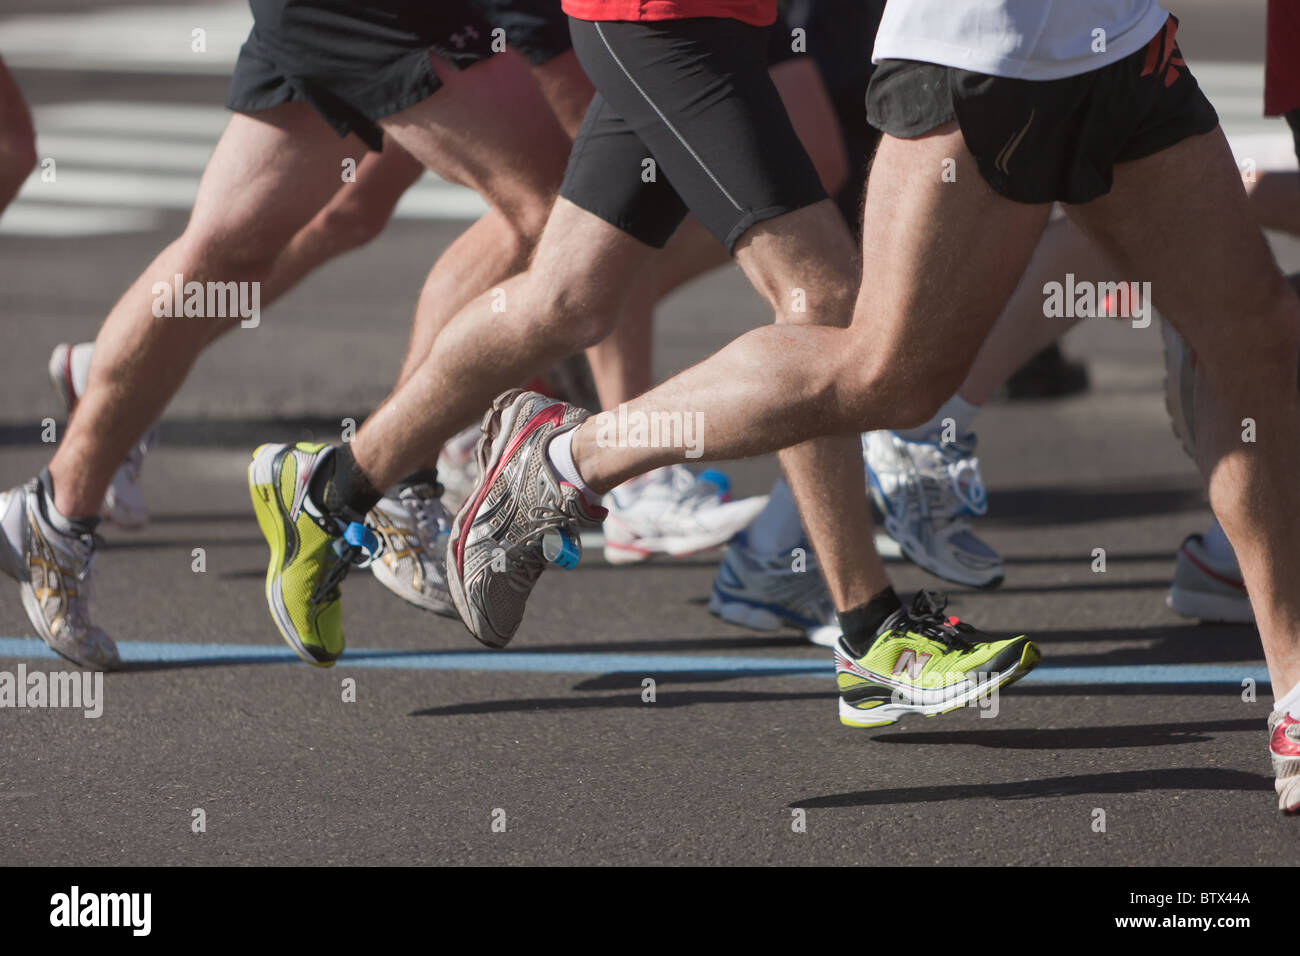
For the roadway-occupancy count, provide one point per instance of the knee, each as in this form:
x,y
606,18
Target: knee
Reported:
x,y
573,315
354,222
889,391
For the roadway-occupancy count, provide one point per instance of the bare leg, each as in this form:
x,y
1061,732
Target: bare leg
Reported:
x,y
780,385
566,88
1223,292
563,303
358,213
811,250
1275,200
268,176
621,364
1023,330
17,139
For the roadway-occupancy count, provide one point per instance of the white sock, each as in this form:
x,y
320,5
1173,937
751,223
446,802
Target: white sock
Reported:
x,y
777,529
1217,546
962,413
79,364
559,452
1289,703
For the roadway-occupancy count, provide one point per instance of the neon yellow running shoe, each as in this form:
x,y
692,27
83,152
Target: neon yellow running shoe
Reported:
x,y
311,552
923,662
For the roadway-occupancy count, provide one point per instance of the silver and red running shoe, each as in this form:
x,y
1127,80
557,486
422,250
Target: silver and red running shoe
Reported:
x,y
519,516
53,570
1284,748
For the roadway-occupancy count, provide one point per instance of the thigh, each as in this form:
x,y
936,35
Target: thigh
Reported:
x,y
1180,220
698,94
942,255
488,127
270,173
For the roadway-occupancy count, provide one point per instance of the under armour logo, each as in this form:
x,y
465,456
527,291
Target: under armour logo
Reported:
x,y
460,39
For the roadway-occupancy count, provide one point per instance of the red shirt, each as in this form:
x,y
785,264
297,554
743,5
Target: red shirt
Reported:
x,y
1282,62
759,13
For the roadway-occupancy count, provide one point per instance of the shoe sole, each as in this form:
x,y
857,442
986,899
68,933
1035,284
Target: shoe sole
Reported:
x,y
921,559
1210,608
891,712
765,620
261,488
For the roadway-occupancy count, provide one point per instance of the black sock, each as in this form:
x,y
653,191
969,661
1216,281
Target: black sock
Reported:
x,y
861,623
339,486
425,476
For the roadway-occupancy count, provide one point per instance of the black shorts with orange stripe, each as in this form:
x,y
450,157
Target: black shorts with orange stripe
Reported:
x,y
1039,141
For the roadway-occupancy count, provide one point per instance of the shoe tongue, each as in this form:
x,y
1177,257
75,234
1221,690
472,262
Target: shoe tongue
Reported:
x,y
896,620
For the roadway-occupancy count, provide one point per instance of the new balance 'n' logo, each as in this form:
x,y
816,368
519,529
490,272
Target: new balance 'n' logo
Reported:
x,y
912,663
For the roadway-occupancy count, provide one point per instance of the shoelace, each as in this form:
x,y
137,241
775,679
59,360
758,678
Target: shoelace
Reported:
x,y
524,557
424,504
927,617
77,610
944,498
355,549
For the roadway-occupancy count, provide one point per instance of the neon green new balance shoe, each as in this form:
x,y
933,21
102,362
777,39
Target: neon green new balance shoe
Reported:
x,y
311,552
923,662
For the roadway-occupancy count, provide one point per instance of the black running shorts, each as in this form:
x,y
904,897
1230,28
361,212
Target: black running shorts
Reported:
x,y
357,61
685,117
1045,140
537,30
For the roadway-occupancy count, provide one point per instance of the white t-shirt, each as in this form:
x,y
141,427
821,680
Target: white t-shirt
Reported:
x,y
1019,39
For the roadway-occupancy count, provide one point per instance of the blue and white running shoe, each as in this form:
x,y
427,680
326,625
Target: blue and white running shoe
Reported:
x,y
927,492
773,593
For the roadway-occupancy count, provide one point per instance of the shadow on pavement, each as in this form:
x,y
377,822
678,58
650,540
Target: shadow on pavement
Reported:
x,y
1079,738
1127,781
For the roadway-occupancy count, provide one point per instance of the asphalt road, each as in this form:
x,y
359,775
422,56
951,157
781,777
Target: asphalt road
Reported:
x,y
553,736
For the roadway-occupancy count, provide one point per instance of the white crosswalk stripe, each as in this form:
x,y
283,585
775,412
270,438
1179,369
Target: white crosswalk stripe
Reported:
x,y
118,165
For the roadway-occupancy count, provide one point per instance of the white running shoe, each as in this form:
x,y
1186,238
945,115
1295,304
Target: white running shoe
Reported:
x,y
54,571
769,594
414,527
123,503
927,492
673,511
458,468
1206,589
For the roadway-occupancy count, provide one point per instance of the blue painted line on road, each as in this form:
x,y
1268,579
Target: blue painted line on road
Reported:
x,y
544,662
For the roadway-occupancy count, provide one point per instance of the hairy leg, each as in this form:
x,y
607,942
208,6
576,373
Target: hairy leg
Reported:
x,y
17,139
781,385
270,173
1179,220
804,265
564,302
622,364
